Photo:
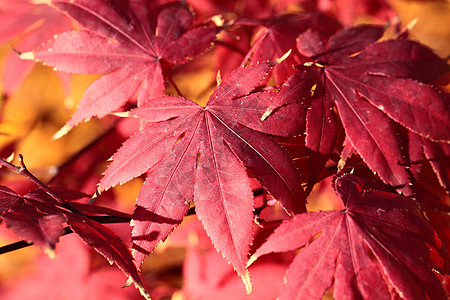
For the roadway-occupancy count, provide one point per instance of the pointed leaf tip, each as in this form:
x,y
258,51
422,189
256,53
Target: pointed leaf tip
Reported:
x,y
128,283
62,132
27,56
266,114
279,60
139,286
218,78
252,259
143,291
50,253
412,24
247,282
124,114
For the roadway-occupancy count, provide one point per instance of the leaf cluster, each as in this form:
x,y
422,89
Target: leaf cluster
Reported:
x,y
298,98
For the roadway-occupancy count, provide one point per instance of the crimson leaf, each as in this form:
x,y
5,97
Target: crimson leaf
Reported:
x,y
43,230
38,227
378,245
278,36
8,199
371,84
120,39
195,152
38,218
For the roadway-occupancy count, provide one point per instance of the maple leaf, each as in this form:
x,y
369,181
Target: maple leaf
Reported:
x,y
40,228
34,23
8,199
277,36
121,40
195,152
378,245
371,84
39,218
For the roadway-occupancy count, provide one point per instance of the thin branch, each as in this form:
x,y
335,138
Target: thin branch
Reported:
x,y
100,219
175,86
67,230
231,47
22,170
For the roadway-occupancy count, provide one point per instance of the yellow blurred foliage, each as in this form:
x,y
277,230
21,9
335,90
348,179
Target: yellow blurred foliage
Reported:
x,y
433,22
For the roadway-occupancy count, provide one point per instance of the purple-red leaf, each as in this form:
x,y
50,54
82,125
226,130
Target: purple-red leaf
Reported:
x,y
108,244
199,153
378,246
43,230
371,85
40,219
278,37
8,199
123,42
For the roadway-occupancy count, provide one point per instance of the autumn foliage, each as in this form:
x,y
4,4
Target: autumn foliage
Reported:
x,y
257,149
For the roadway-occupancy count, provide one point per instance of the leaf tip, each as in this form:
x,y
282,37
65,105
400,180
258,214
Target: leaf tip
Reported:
x,y
27,56
251,261
247,282
139,286
62,132
10,158
124,114
411,24
218,20
50,253
218,78
266,114
279,60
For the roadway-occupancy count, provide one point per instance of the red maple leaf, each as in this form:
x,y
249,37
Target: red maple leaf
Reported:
x,y
378,245
40,228
39,218
121,39
371,84
277,36
195,152
34,23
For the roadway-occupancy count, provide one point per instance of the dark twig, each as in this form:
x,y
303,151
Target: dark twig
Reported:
x,y
22,170
175,86
67,230
231,47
